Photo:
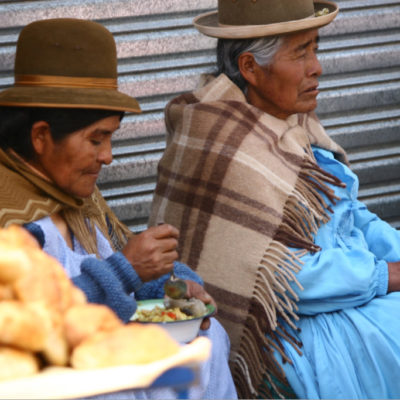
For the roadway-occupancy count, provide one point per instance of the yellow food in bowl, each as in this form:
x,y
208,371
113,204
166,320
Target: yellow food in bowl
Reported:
x,y
160,314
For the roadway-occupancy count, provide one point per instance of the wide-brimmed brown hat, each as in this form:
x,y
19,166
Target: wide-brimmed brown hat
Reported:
x,y
67,63
241,19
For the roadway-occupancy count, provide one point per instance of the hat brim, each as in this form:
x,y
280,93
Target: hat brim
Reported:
x,y
208,24
58,97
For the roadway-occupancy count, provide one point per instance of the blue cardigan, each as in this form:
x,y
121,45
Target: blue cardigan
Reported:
x,y
114,282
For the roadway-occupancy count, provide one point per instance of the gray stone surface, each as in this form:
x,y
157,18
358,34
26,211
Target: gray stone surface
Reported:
x,y
161,55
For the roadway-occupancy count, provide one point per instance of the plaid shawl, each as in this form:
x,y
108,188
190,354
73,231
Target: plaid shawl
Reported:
x,y
242,186
26,196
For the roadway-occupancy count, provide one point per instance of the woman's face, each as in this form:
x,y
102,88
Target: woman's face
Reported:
x,y
289,85
74,163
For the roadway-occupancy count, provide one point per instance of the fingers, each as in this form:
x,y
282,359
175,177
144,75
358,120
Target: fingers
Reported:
x,y
196,290
165,261
152,252
163,238
205,324
164,231
210,300
168,245
205,298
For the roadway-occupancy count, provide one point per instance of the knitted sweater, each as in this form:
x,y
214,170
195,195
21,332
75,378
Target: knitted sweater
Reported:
x,y
112,281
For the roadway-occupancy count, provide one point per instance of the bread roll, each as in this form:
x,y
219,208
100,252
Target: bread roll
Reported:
x,y
24,325
16,244
47,281
14,263
18,237
16,363
42,312
6,292
56,350
83,320
129,344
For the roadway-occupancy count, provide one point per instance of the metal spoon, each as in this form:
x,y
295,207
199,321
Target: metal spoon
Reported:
x,y
174,287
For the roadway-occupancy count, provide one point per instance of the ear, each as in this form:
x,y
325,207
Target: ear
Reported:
x,y
40,134
247,67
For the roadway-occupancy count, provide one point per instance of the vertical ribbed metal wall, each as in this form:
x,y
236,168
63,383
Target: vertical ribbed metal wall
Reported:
x,y
161,55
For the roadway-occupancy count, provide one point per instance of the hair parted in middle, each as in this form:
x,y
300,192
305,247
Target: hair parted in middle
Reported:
x,y
229,51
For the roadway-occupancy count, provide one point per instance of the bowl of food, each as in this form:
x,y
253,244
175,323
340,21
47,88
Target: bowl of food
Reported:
x,y
180,325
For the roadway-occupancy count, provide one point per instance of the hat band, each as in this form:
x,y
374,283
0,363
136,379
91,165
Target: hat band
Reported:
x,y
274,24
65,81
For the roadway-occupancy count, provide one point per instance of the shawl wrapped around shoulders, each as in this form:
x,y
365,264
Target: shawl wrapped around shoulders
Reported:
x,y
242,187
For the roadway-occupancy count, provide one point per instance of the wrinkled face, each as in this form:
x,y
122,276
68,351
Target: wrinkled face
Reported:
x,y
74,163
289,85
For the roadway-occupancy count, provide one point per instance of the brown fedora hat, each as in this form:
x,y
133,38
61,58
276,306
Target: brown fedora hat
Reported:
x,y
67,63
242,19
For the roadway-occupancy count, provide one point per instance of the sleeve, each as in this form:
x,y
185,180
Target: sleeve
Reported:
x,y
155,289
110,281
351,269
383,240
339,278
113,281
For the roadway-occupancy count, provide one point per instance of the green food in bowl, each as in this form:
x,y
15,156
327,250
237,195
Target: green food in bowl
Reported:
x,y
182,331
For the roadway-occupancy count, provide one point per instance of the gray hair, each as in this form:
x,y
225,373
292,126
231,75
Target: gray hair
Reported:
x,y
229,50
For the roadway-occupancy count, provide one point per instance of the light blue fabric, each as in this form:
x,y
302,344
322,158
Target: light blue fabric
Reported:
x,y
70,259
350,327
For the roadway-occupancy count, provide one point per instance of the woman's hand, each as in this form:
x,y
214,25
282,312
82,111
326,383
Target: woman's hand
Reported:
x,y
196,290
394,277
153,251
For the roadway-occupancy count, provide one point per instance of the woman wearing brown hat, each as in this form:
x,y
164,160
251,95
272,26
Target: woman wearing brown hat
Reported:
x,y
56,127
305,277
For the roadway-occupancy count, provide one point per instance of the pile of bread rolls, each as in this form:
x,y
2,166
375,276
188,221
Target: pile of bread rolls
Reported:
x,y
46,320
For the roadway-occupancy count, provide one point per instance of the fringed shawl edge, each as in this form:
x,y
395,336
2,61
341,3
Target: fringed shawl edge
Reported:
x,y
273,304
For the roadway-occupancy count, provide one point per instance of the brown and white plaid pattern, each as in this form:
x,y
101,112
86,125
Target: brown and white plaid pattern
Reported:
x,y
242,186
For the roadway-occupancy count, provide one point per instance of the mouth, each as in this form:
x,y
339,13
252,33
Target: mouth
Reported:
x,y
313,90
94,174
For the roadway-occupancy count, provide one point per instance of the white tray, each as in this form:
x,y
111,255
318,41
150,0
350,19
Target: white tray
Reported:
x,y
68,383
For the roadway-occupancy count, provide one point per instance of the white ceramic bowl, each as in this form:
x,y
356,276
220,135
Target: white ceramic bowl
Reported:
x,y
182,331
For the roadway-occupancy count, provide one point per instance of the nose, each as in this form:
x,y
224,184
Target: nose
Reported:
x,y
314,67
105,153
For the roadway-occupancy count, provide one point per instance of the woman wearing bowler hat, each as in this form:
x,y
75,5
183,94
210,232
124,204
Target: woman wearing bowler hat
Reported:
x,y
306,279
56,126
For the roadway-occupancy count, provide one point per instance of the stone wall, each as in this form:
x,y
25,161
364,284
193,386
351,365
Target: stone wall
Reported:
x,y
162,55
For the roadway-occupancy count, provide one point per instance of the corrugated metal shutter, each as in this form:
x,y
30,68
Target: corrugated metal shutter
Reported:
x,y
162,55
